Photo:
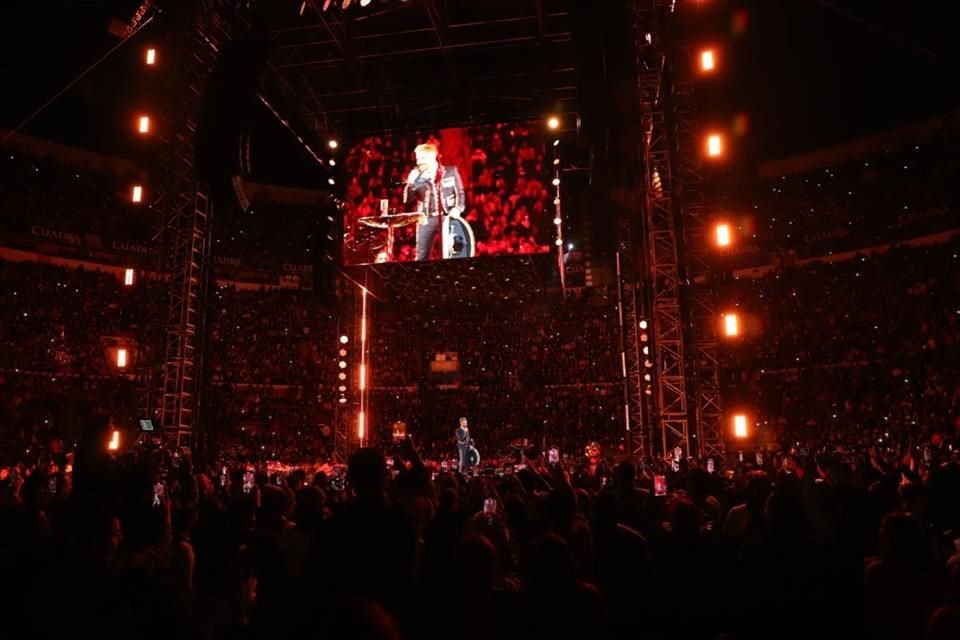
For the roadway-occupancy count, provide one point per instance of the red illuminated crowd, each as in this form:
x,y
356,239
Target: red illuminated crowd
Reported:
x,y
837,517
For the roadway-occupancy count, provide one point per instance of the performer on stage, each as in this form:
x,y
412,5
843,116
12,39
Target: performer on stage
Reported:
x,y
463,441
438,192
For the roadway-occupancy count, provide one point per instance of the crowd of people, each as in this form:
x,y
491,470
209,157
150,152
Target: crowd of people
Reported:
x,y
506,180
862,351
838,515
858,201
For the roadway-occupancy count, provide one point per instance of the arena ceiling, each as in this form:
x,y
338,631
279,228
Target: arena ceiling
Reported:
x,y
419,64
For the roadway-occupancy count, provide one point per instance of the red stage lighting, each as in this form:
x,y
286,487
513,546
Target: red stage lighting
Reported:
x,y
723,234
714,145
740,426
707,61
731,325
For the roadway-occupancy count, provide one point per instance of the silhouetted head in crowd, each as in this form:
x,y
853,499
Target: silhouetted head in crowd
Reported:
x,y
903,540
367,473
626,476
477,564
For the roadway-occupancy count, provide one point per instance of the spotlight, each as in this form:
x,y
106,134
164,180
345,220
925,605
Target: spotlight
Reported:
x,y
342,364
342,376
557,221
333,162
559,242
714,145
345,4
333,144
553,122
128,277
343,401
723,235
361,425
326,4
121,358
114,443
151,56
643,324
556,182
331,181
570,247
342,388
707,61
143,125
731,325
136,194
344,339
364,3
740,426
556,142
343,353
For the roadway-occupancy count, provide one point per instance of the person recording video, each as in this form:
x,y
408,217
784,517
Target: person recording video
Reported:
x,y
437,191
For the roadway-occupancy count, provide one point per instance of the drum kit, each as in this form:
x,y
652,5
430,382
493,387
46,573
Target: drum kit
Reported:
x,y
458,239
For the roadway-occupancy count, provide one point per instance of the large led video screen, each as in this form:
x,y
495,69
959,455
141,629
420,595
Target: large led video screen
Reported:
x,y
448,194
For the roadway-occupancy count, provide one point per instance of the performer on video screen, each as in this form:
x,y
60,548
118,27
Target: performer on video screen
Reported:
x,y
437,192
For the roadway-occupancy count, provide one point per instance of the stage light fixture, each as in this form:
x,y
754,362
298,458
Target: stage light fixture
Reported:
x,y
556,182
344,339
342,376
714,145
740,425
343,353
731,325
114,443
723,235
553,122
121,358
345,4
333,162
559,242
643,324
303,7
128,277
343,401
136,194
361,425
333,144
363,377
143,124
707,60
557,221
556,142
151,56
365,3
342,364
570,247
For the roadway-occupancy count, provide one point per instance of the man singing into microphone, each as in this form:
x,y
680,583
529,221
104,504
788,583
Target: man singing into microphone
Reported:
x,y
438,191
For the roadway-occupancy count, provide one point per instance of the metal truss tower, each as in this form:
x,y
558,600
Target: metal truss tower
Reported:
x,y
663,228
191,40
701,313
636,416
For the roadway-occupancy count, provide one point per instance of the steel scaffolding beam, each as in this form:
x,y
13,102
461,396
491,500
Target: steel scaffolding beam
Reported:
x,y
702,313
662,231
191,41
